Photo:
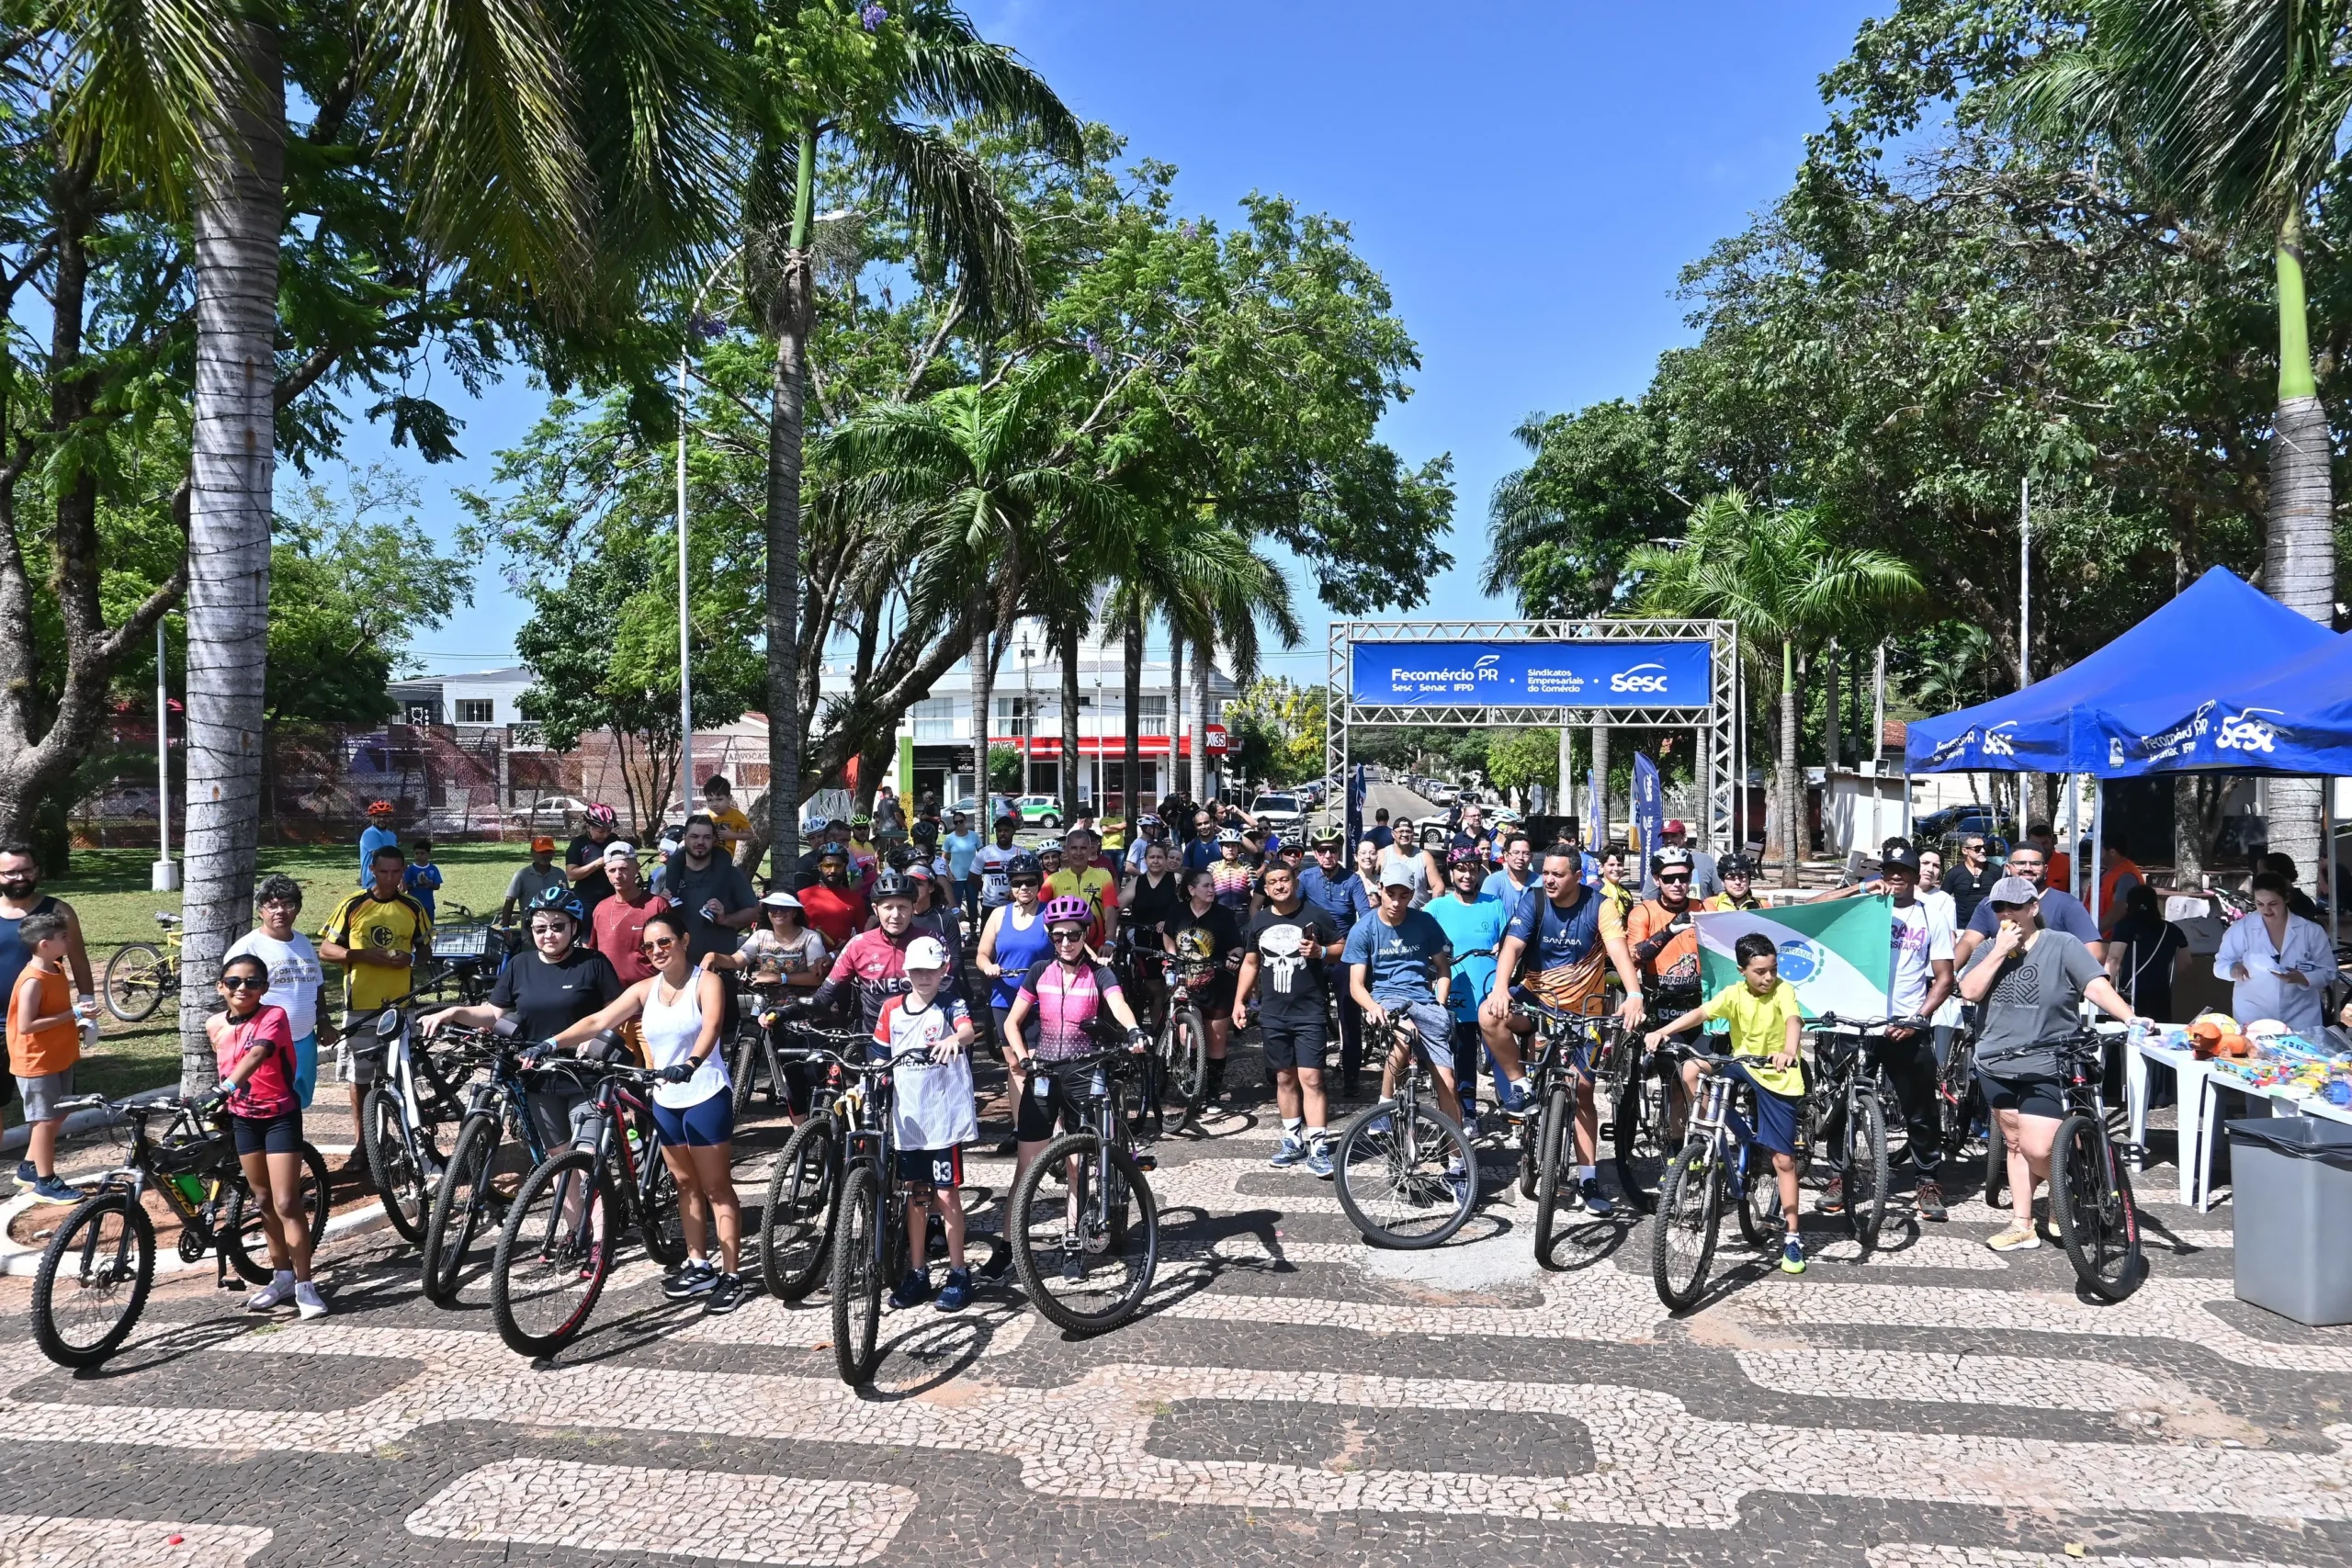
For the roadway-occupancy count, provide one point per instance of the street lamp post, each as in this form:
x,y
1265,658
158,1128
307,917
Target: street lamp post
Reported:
x,y
1028,723
1102,802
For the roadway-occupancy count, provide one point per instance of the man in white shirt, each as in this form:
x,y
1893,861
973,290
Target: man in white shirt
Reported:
x,y
1917,984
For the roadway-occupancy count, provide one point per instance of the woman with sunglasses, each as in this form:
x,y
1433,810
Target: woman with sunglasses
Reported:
x,y
1206,912
680,1011
255,1048
1015,940
1053,1019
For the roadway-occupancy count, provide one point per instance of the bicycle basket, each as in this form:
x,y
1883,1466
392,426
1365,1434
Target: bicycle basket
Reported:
x,y
473,938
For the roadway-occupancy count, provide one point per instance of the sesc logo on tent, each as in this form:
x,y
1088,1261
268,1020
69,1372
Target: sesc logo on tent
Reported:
x,y
1639,679
1799,960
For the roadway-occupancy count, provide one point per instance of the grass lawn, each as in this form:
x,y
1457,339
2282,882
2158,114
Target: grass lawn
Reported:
x,y
108,889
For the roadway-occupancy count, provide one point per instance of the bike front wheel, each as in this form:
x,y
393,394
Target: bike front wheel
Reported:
x,y
1867,1172
245,1240
1406,1179
1184,1061
1086,1254
1638,1137
555,1252
94,1279
392,1164
1551,1167
460,1208
1690,1211
860,1265
796,1221
2098,1220
136,978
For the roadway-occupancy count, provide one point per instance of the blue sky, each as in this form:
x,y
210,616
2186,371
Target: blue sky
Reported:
x,y
1529,178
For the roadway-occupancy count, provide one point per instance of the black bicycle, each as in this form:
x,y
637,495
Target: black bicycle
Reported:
x,y
1087,1259
99,1265
754,1054
1546,1169
1843,1091
486,1163
804,1190
1404,1171
2090,1184
1643,1093
556,1249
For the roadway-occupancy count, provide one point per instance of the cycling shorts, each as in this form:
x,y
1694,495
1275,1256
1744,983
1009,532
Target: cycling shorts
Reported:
x,y
2027,1094
706,1123
278,1134
940,1169
1035,1120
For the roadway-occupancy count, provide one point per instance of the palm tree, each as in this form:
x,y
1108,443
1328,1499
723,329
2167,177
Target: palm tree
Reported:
x,y
871,78
1778,577
2230,112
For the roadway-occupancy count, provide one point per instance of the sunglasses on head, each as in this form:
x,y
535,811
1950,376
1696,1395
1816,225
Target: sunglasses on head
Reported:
x,y
244,983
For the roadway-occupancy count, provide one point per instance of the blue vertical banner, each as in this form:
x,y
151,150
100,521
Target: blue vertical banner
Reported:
x,y
1596,815
1649,813
1358,781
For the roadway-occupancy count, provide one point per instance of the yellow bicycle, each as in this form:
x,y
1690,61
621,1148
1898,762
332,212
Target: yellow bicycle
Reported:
x,y
141,973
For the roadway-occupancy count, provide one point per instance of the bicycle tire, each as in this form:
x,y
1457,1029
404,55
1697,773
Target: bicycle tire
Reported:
x,y
1184,1049
743,1061
1997,1163
392,1166
572,1256
1371,1145
1868,1166
1760,1219
661,1220
2099,1222
461,1199
796,1221
1689,1206
1551,1165
860,1265
59,1345
136,977
1137,1210
1638,1134
241,1248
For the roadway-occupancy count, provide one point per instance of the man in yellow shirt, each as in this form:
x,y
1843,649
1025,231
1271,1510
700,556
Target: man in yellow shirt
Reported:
x,y
726,817
1084,876
377,934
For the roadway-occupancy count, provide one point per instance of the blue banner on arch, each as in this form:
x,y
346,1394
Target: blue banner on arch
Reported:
x,y
1531,674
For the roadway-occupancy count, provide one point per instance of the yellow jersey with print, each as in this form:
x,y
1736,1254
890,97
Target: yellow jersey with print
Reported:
x,y
1759,1027
398,924
1096,887
732,826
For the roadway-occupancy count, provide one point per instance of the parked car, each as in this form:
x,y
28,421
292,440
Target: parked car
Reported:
x,y
1039,810
549,814
1954,821
1279,807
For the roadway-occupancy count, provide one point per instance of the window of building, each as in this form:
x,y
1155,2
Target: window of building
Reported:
x,y
1151,715
935,718
476,710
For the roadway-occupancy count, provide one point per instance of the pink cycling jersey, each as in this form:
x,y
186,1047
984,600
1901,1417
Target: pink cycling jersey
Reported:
x,y
875,967
1064,1001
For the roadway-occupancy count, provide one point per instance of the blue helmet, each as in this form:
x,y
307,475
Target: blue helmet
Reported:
x,y
558,901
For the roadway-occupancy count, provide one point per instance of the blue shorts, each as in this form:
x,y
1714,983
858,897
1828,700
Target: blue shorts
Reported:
x,y
1779,1118
706,1123
306,1068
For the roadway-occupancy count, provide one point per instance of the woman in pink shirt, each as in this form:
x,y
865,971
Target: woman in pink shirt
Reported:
x,y
255,1048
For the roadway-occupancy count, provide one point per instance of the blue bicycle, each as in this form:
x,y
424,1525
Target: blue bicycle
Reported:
x,y
1720,1162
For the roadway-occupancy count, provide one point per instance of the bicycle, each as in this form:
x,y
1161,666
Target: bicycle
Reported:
x,y
469,1202
402,1115
467,954
1845,1089
1091,1271
1545,1167
754,1048
1180,1049
804,1190
1645,1096
103,1254
1720,1158
1418,1171
555,1249
2096,1217
139,974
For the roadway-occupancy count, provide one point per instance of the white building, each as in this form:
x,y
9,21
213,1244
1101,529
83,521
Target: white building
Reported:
x,y
486,698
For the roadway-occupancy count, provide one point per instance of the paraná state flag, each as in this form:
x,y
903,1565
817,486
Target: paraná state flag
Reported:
x,y
1838,956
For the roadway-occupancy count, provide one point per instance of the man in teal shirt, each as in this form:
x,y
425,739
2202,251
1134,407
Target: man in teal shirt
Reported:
x,y
1473,922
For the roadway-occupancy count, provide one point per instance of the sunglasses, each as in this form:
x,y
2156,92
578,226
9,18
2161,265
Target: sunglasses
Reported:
x,y
1678,876
1028,882
657,945
1069,936
1978,848
244,983
2009,908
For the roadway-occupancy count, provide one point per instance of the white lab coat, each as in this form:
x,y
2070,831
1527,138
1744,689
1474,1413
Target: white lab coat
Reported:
x,y
2262,995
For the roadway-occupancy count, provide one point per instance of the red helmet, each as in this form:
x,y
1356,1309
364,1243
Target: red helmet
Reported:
x,y
380,808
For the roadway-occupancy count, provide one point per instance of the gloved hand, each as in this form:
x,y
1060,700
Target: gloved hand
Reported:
x,y
679,1072
1138,1039
792,1012
210,1103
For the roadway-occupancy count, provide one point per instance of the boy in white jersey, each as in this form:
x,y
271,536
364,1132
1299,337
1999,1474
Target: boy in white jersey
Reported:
x,y
932,1116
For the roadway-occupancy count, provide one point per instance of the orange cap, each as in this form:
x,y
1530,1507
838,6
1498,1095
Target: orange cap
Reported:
x,y
542,843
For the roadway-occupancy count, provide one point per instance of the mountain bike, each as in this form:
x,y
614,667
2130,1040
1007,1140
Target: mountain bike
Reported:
x,y
1960,1099
2090,1184
1545,1167
412,1095
1720,1160
141,973
1406,1173
1087,1259
1646,1106
96,1273
555,1251
804,1190
753,1050
1844,1092
1181,1050
485,1164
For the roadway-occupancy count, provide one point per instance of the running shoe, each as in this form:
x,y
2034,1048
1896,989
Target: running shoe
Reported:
x,y
277,1294
1833,1197
956,1294
725,1295
1516,1097
1293,1150
2017,1238
1930,1201
911,1292
1073,1266
1791,1256
1596,1202
308,1303
692,1278
50,1190
26,1173
1318,1160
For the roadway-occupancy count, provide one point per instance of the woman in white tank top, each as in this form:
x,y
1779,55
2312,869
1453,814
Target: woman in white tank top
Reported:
x,y
680,1011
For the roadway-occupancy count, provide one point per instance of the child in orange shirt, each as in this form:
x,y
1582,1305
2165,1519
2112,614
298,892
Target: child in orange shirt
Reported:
x,y
44,1041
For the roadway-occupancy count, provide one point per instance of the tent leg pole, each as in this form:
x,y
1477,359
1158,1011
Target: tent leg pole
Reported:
x,y
2327,856
1906,802
2098,841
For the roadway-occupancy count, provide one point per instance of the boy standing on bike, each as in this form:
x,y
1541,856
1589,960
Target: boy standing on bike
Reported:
x,y
932,1110
1286,947
1764,1022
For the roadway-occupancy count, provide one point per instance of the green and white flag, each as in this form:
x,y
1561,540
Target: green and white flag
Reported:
x,y
1838,956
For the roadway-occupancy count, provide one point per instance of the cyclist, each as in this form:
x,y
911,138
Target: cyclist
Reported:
x,y
1738,874
1921,979
617,926
1147,904
1015,940
832,904
583,860
297,981
783,952
994,858
1510,882
1149,831
1662,934
709,890
872,966
1560,943
1474,926
1765,1019
931,1119
379,935
863,858
1081,877
1399,962
1287,946
1232,881
678,1011
1060,998
1204,928
374,836
254,1049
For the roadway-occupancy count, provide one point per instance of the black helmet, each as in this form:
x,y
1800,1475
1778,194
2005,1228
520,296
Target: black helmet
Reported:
x,y
926,831
1734,865
557,901
1024,864
893,884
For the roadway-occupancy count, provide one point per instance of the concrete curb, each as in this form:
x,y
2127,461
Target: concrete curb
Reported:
x,y
23,1262
88,1121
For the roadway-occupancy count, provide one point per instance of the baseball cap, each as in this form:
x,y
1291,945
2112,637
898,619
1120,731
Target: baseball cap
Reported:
x,y
1673,826
925,953
780,899
542,843
1905,859
2011,890
1397,874
619,849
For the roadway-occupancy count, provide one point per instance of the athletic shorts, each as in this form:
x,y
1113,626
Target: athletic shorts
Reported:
x,y
706,1123
1035,1120
41,1094
1779,1118
2029,1094
278,1134
1301,1044
939,1170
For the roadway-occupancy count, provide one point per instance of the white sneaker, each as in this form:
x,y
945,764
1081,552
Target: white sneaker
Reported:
x,y
274,1294
308,1301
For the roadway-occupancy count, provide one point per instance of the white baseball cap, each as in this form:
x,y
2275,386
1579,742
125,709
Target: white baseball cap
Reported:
x,y
780,899
925,953
620,849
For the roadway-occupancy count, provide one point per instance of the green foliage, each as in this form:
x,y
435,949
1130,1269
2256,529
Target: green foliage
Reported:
x,y
1004,768
1277,730
1598,486
1522,757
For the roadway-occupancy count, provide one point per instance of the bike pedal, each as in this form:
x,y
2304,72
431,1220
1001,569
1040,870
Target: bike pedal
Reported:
x,y
1147,1162
233,1282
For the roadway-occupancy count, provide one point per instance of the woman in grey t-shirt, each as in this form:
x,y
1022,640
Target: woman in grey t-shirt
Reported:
x,y
2031,984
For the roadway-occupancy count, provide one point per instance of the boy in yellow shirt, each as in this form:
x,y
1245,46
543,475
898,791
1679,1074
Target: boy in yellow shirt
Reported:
x,y
1766,1023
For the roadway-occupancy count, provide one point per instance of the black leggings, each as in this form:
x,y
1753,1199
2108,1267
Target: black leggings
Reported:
x,y
1911,1066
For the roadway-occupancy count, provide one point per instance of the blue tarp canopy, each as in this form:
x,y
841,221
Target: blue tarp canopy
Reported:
x,y
2294,717
2216,635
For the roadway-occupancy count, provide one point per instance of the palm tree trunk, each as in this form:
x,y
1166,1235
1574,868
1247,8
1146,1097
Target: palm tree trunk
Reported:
x,y
239,212
1600,771
1201,722
1130,693
1176,731
2298,544
1066,649
1792,835
983,695
788,395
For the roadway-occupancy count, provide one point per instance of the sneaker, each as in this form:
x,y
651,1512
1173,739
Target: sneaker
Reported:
x,y
26,1172
911,1292
589,1269
50,1190
308,1303
1930,1201
1791,1256
1318,1159
1833,1198
692,1278
725,1295
1073,1266
2017,1238
956,1294
1596,1202
1517,1096
1293,1150
277,1294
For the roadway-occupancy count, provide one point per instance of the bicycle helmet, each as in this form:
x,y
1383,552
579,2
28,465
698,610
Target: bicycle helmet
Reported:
x,y
1734,865
1673,857
893,884
926,831
1228,836
380,808
1066,909
1467,854
861,819
1024,864
557,901
600,816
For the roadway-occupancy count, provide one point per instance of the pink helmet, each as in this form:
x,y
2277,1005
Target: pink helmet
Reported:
x,y
600,816
1066,910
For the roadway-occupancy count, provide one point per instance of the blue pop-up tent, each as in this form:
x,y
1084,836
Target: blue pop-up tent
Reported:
x,y
2217,634
2294,717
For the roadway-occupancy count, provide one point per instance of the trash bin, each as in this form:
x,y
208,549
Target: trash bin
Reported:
x,y
2291,1206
